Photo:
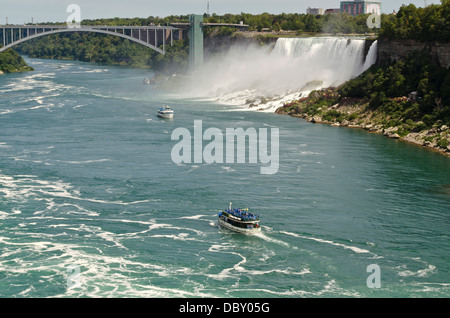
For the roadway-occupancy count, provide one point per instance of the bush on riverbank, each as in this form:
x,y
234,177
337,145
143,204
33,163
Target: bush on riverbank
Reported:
x,y
12,62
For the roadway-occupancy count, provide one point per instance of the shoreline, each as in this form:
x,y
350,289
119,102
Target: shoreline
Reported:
x,y
355,115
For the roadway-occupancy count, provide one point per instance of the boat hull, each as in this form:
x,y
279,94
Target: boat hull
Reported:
x,y
165,115
231,227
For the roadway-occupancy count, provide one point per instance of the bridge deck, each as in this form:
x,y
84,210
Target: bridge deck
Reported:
x,y
186,25
45,26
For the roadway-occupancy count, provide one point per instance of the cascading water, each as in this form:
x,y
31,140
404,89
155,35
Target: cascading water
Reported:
x,y
265,80
371,58
330,60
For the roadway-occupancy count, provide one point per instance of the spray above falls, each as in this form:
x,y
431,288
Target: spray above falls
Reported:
x,y
262,79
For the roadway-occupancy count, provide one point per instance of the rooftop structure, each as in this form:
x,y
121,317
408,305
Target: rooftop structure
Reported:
x,y
332,11
315,11
358,7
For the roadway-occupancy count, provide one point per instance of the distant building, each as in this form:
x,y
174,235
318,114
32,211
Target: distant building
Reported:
x,y
332,11
315,11
358,7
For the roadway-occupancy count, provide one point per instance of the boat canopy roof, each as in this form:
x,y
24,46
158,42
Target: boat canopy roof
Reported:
x,y
243,214
165,108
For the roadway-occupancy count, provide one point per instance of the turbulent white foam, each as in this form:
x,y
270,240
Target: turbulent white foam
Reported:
x,y
227,272
271,239
23,188
420,273
35,91
86,70
264,80
100,275
429,269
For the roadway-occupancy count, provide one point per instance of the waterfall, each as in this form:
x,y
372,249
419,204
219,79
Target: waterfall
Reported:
x,y
330,60
265,79
371,57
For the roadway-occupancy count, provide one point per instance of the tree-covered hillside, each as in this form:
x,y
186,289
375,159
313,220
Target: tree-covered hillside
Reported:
x,y
423,24
329,23
11,62
106,49
384,88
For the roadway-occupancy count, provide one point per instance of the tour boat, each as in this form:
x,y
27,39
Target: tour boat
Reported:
x,y
239,220
165,112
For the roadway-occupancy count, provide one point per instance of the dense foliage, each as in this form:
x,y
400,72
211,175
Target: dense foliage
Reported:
x,y
388,89
106,49
423,24
329,23
11,62
131,21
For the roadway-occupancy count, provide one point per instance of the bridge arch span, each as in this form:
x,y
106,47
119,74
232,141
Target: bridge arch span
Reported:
x,y
86,29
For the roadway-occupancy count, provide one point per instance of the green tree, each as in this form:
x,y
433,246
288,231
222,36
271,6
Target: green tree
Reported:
x,y
11,62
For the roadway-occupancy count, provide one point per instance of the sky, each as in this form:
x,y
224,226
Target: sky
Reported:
x,y
22,11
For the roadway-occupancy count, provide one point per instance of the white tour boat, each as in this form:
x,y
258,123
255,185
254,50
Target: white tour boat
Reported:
x,y
239,220
165,112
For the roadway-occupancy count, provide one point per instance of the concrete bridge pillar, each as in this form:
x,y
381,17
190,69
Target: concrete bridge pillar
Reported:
x,y
195,41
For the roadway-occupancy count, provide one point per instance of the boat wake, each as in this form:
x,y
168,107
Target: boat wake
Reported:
x,y
348,247
269,239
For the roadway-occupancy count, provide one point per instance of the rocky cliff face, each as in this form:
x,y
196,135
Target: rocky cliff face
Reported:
x,y
395,50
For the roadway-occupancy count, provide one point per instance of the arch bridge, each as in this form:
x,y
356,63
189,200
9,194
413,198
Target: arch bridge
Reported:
x,y
149,36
